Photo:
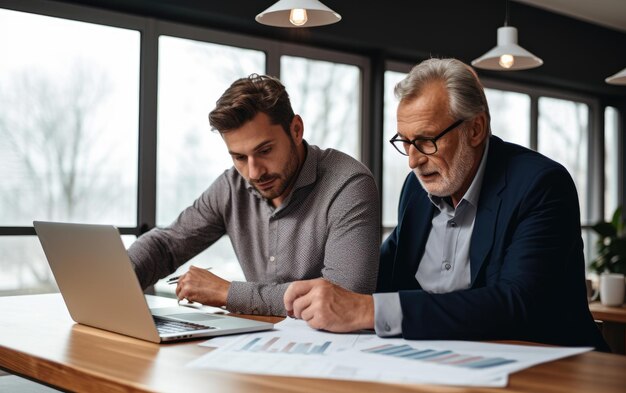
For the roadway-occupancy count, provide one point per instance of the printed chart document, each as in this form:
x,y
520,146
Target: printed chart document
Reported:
x,y
294,349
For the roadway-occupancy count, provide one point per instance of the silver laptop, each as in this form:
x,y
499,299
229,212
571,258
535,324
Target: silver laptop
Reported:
x,y
100,288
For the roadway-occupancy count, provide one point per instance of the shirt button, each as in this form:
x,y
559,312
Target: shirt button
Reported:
x,y
272,258
452,224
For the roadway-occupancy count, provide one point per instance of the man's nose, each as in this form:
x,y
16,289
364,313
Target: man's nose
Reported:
x,y
255,169
416,157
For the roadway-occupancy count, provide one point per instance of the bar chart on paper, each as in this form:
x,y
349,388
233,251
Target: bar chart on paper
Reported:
x,y
293,349
438,356
284,346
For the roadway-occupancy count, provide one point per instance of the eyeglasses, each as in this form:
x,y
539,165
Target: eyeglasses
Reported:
x,y
426,145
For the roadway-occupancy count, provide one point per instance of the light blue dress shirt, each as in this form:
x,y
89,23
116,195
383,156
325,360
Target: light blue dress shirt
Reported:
x,y
445,265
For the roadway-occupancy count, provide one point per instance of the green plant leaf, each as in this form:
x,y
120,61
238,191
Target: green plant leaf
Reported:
x,y
611,245
605,229
618,221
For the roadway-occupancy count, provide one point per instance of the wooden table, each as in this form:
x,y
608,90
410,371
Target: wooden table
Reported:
x,y
39,341
613,325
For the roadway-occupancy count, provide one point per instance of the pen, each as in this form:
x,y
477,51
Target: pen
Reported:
x,y
174,280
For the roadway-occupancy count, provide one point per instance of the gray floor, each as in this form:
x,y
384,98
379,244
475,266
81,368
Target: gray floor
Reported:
x,y
14,384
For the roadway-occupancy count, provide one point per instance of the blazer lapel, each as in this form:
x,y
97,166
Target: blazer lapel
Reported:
x,y
488,208
414,231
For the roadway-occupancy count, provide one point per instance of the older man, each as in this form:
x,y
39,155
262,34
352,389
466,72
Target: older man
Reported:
x,y
292,211
488,242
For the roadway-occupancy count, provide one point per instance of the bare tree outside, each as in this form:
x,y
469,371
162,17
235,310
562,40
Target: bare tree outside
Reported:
x,y
59,159
510,115
563,132
69,94
327,95
395,166
59,150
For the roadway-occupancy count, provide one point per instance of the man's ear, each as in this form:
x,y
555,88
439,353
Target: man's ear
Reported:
x,y
478,130
297,129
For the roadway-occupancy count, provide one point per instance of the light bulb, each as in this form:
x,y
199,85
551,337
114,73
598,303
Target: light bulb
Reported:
x,y
298,16
506,61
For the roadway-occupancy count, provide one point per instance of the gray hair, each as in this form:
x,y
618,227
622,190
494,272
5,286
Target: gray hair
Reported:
x,y
465,92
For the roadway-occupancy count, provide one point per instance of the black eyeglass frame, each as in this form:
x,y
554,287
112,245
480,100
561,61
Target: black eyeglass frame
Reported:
x,y
432,140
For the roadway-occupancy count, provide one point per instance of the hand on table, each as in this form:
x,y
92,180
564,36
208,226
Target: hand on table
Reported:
x,y
324,305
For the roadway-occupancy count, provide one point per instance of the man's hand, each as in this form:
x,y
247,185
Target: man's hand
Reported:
x,y
327,306
202,286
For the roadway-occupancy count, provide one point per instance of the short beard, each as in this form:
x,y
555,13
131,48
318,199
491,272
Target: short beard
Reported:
x,y
459,170
286,178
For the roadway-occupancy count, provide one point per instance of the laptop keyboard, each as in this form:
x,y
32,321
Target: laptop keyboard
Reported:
x,y
168,326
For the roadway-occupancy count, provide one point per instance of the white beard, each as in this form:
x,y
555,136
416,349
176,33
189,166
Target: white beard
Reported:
x,y
459,171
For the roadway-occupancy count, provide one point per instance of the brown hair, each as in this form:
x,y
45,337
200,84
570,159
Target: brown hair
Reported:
x,y
248,96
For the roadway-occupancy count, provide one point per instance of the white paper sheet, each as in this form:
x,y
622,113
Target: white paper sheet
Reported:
x,y
294,349
293,326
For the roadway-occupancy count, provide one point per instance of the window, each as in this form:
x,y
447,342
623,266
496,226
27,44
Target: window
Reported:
x,y
563,135
71,120
327,96
612,162
510,115
395,166
68,133
563,129
68,125
23,267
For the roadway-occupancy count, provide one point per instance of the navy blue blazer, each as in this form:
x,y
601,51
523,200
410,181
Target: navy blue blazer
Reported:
x,y
526,259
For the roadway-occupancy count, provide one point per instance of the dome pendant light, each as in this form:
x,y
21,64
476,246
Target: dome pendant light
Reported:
x,y
298,13
617,79
507,55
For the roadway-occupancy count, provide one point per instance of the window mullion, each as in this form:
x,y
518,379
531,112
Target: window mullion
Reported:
x,y
146,192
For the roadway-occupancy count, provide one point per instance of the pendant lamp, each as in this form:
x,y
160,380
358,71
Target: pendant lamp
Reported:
x,y
298,13
617,79
507,55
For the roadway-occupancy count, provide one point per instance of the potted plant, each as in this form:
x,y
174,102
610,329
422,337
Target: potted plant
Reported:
x,y
611,245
